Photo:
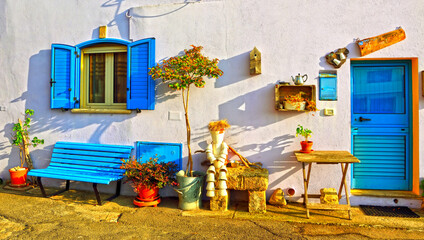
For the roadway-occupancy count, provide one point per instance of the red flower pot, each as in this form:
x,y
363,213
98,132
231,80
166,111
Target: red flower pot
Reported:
x,y
147,197
147,194
306,146
18,178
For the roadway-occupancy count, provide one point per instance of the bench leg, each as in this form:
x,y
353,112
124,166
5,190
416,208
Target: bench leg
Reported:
x,y
118,191
43,192
99,201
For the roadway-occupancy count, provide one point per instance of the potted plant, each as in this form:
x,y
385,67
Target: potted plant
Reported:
x,y
21,139
148,177
182,72
299,102
306,133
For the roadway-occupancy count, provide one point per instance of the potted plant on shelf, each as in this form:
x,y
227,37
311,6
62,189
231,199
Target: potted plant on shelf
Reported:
x,y
299,102
147,178
21,139
182,72
306,133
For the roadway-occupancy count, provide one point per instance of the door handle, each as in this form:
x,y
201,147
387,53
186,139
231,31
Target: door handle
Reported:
x,y
361,119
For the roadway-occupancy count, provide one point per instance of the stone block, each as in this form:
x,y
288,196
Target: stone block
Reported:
x,y
219,203
257,201
243,178
277,198
329,196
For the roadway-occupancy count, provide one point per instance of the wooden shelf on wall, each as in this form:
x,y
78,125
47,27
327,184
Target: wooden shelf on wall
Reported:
x,y
283,90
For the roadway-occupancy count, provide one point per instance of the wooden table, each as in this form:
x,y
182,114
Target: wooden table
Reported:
x,y
326,157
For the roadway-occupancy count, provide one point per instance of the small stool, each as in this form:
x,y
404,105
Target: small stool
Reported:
x,y
253,180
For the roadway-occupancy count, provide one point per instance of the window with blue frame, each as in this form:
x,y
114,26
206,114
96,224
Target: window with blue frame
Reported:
x,y
103,74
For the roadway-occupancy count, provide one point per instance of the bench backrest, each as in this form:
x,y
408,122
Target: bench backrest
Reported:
x,y
88,156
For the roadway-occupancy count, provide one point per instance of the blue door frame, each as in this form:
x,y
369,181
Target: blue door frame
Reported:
x,y
380,121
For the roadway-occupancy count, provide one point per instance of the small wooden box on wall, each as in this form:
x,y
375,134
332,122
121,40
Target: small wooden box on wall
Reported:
x,y
255,62
284,90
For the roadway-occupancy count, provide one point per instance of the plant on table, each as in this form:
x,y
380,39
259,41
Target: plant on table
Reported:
x,y
21,139
306,133
182,72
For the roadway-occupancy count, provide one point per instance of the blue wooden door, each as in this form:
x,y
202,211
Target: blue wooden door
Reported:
x,y
380,124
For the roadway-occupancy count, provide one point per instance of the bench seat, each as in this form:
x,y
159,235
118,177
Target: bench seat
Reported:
x,y
85,162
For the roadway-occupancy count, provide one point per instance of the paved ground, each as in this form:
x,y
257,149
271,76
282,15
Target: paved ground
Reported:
x,y
74,215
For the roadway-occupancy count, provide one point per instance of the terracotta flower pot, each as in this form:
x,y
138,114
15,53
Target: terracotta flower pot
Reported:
x,y
147,194
18,178
306,146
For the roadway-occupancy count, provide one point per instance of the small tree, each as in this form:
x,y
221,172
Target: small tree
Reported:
x,y
22,140
182,71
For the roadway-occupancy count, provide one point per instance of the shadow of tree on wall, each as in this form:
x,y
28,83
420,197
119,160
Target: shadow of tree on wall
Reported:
x,y
236,69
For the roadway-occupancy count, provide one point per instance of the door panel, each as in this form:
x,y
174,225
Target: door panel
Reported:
x,y
379,96
380,125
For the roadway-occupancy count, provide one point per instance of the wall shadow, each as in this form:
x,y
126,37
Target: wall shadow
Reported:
x,y
119,20
236,69
254,109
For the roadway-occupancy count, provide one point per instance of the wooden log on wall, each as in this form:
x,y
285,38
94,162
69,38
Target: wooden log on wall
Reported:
x,y
376,43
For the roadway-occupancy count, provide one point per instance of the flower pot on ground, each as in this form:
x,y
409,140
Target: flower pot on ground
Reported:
x,y
21,139
18,176
306,133
147,178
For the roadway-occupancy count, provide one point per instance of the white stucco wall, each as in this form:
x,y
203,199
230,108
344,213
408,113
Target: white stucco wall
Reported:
x,y
293,36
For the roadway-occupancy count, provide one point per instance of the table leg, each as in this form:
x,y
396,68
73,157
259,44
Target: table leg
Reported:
x,y
342,183
345,168
305,185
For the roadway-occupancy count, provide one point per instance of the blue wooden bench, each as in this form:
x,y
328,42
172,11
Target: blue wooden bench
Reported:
x,y
85,162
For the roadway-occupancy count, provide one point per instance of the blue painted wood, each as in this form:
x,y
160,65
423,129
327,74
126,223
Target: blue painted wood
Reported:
x,y
96,163
141,87
90,153
62,76
86,158
103,40
328,87
165,152
380,92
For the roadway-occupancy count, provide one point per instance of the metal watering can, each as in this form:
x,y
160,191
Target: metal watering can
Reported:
x,y
299,80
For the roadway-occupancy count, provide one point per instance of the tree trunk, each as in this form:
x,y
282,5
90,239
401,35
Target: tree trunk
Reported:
x,y
24,154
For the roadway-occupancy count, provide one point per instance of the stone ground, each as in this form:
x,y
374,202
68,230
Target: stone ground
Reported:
x,y
74,215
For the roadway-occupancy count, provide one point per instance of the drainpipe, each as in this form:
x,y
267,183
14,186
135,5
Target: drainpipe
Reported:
x,y
128,15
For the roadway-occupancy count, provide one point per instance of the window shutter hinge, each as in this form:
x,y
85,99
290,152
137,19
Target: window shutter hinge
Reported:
x,y
70,89
76,100
76,54
51,82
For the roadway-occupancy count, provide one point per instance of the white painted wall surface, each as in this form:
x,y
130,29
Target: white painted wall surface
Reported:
x,y
293,36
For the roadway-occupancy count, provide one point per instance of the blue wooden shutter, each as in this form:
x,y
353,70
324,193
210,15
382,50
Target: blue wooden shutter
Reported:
x,y
141,87
383,163
328,86
62,76
165,152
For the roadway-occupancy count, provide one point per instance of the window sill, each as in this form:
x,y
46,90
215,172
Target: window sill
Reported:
x,y
104,111
384,193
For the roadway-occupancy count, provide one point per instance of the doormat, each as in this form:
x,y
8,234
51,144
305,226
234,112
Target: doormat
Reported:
x,y
403,212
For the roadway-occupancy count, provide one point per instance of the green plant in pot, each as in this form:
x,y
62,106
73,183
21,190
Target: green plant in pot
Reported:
x,y
306,133
182,72
147,178
21,139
